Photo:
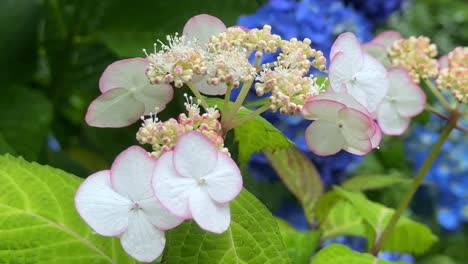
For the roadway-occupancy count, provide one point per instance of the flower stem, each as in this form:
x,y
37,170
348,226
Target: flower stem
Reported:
x,y
227,96
246,118
198,95
237,104
380,240
437,94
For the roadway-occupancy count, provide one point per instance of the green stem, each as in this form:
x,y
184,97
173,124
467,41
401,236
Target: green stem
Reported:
x,y
380,240
227,96
437,94
237,104
246,118
198,96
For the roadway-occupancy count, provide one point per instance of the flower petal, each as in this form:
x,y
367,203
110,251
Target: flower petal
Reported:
x,y
115,108
208,214
153,96
142,241
322,109
205,88
158,215
128,73
379,52
171,188
203,27
324,138
350,46
131,173
343,98
342,70
194,155
225,182
377,137
356,124
410,99
390,121
387,38
101,207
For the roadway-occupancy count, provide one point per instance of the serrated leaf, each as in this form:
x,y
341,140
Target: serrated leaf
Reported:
x,y
407,236
253,237
300,244
299,175
340,254
372,182
25,117
39,223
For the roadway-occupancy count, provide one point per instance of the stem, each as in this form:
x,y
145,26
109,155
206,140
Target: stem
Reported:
x,y
227,96
437,94
246,118
442,116
198,96
238,103
416,182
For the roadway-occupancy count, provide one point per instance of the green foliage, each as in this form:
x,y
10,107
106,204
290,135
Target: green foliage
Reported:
x,y
299,175
25,116
39,222
253,237
439,259
300,245
371,182
339,254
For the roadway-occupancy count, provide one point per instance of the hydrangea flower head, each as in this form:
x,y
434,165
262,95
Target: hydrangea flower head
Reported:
x,y
378,46
454,74
120,202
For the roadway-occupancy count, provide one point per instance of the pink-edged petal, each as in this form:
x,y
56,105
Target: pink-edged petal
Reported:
x,y
225,182
356,146
350,46
379,52
171,188
101,207
341,97
324,138
194,155
153,96
142,240
390,121
372,81
158,215
200,82
128,73
443,62
409,98
377,137
115,108
387,38
131,173
342,71
208,214
203,27
355,123
322,110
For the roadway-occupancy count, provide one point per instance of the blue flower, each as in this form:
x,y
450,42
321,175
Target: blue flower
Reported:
x,y
377,10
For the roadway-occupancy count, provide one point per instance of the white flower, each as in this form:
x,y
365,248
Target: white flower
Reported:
x,y
197,181
356,71
127,95
404,100
378,46
340,123
120,202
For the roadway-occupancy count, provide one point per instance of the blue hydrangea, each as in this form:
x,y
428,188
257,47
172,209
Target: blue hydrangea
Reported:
x,y
377,10
448,173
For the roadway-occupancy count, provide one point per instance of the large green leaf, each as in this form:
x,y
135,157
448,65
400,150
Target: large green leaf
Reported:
x,y
340,254
253,237
298,174
371,182
38,221
25,117
407,236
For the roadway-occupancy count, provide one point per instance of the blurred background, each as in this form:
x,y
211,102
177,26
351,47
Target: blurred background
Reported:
x,y
54,51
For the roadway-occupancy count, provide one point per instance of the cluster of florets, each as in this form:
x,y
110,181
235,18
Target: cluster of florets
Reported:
x,y
300,55
455,76
162,136
176,62
415,55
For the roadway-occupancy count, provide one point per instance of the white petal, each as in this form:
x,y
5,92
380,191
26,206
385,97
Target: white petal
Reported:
x,y
208,214
390,121
142,240
171,188
372,80
324,138
153,96
203,27
158,215
357,146
205,88
115,108
387,38
379,52
410,99
350,46
101,207
225,182
377,137
342,71
131,173
357,124
128,73
194,155
322,109
341,97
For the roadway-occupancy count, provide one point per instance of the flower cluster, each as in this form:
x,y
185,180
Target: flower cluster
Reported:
x,y
454,75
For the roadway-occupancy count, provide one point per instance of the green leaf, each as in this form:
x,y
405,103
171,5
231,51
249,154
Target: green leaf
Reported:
x,y
372,182
253,237
407,236
340,254
25,117
300,245
299,175
439,259
39,222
